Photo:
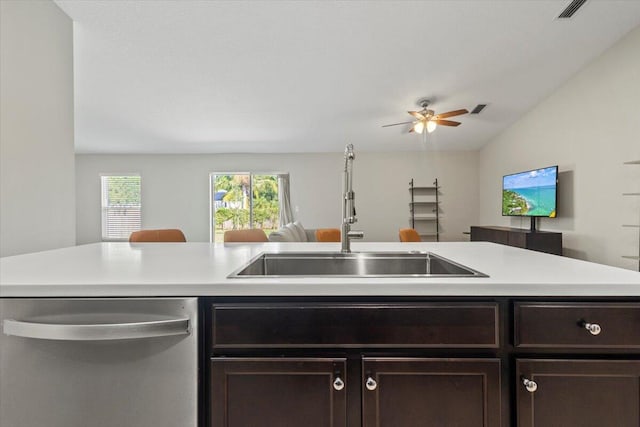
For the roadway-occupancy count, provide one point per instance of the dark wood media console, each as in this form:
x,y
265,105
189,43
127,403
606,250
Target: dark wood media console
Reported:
x,y
541,241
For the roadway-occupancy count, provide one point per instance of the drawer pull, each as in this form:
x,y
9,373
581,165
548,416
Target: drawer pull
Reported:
x,y
371,384
530,385
593,328
338,384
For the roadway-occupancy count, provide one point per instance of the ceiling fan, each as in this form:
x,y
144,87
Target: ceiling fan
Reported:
x,y
428,119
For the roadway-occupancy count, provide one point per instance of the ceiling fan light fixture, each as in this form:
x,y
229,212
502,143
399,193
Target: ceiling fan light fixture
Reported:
x,y
428,120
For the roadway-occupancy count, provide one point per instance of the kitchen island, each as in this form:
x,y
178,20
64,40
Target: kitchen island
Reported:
x,y
542,337
201,269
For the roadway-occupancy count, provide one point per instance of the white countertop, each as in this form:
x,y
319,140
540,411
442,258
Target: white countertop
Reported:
x,y
201,269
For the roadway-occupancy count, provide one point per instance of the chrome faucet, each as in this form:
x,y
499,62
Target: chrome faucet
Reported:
x,y
348,203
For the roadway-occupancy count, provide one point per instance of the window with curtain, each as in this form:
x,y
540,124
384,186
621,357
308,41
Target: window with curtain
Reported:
x,y
120,206
247,200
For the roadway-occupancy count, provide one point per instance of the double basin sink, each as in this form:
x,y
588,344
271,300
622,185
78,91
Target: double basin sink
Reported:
x,y
356,264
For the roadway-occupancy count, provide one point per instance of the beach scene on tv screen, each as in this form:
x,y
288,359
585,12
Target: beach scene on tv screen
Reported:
x,y
531,193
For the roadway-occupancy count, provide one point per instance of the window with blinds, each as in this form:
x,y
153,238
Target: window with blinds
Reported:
x,y
120,206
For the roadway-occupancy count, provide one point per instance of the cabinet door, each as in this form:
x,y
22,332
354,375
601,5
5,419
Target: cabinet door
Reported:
x,y
409,392
282,392
578,393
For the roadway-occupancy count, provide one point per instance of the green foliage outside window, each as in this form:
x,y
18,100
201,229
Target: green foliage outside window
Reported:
x,y
244,194
123,190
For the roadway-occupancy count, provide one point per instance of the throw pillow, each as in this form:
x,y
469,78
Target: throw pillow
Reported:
x,y
288,235
294,231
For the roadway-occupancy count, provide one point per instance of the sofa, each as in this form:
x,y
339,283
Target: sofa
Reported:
x,y
293,232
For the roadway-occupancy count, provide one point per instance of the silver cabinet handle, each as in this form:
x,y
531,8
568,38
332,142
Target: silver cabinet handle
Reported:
x,y
530,385
371,384
593,328
97,332
338,384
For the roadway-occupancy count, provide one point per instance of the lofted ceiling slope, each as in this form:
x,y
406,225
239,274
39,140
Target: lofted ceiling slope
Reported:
x,y
309,76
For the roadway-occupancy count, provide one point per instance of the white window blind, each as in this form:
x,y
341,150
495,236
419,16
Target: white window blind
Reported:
x,y
120,206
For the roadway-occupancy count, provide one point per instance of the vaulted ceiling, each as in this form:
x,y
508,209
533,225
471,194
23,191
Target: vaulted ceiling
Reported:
x,y
309,76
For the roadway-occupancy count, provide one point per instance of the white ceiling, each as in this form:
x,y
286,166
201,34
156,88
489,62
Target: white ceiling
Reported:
x,y
309,76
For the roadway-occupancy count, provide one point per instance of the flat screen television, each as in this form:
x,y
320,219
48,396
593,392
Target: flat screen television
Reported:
x,y
531,193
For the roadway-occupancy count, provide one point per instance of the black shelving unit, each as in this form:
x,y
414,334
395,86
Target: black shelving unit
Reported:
x,y
634,257
418,205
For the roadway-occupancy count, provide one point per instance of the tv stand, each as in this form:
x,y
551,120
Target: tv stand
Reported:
x,y
541,241
533,224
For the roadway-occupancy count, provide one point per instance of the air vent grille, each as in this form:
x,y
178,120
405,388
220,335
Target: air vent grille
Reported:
x,y
570,10
478,108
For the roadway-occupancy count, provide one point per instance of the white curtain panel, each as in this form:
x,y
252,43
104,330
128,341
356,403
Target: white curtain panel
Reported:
x,y
286,215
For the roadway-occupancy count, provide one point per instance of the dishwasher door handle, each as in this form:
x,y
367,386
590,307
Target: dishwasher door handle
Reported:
x,y
97,332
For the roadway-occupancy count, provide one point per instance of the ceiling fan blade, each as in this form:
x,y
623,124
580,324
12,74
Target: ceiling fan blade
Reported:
x,y
417,115
451,114
447,122
396,124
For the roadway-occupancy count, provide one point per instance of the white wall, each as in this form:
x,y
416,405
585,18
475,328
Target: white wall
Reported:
x,y
175,190
589,127
37,189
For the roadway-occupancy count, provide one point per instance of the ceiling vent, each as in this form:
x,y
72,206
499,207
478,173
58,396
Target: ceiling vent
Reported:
x,y
478,108
571,10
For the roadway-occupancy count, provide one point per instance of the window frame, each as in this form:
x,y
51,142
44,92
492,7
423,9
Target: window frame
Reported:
x,y
103,205
212,217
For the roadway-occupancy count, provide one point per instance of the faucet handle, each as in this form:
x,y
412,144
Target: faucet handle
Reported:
x,y
355,234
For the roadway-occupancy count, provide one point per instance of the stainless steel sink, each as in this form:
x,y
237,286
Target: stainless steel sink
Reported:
x,y
358,264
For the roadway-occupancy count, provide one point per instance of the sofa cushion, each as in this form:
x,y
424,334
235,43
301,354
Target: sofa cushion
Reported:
x,y
311,234
294,231
302,234
283,235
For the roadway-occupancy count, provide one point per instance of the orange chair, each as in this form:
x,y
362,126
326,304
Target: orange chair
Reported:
x,y
251,235
409,235
328,235
166,235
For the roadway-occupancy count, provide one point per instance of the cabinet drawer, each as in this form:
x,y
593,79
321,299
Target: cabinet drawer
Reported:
x,y
577,325
446,325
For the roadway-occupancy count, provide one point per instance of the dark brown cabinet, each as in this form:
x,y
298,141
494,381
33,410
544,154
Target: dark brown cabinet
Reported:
x,y
405,362
554,389
282,392
578,393
541,241
407,392
307,385
392,392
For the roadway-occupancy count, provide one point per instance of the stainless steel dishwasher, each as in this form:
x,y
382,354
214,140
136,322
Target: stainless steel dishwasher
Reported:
x,y
99,362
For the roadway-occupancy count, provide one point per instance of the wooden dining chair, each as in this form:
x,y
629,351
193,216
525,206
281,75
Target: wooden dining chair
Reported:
x,y
328,235
163,235
251,235
409,235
